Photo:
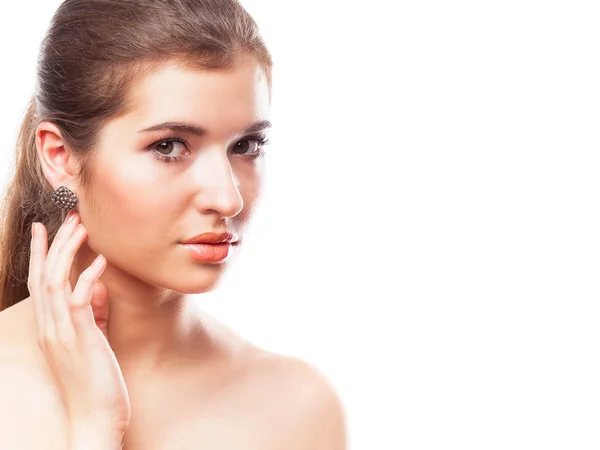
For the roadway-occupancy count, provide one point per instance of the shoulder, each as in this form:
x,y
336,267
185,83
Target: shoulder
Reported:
x,y
303,398
20,358
16,337
29,399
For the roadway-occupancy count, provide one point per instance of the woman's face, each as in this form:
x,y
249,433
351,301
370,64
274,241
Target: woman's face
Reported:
x,y
154,185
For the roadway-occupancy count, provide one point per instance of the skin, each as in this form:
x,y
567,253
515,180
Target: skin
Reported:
x,y
191,380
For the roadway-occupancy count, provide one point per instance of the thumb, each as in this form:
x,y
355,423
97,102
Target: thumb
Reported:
x,y
99,303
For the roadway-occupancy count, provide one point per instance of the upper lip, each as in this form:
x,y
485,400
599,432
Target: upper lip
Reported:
x,y
212,238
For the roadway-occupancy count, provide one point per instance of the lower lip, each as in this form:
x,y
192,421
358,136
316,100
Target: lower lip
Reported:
x,y
208,252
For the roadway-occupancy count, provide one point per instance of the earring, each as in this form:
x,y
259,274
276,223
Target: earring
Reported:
x,y
64,198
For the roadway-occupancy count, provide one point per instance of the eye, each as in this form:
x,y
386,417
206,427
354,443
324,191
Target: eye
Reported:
x,y
252,145
164,149
169,145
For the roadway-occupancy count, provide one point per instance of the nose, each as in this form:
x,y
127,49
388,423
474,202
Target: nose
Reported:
x,y
217,185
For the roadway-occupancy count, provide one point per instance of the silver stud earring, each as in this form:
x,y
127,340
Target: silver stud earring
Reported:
x,y
64,198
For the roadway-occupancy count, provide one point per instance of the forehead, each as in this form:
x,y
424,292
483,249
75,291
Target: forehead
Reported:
x,y
225,98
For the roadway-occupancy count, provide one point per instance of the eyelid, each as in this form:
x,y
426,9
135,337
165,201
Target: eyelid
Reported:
x,y
168,138
260,137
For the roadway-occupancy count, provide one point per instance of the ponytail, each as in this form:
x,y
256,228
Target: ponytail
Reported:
x,y
18,210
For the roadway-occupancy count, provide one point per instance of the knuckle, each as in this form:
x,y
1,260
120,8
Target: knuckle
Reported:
x,y
75,304
55,284
53,287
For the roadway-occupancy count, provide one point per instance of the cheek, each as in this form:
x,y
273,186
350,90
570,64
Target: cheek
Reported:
x,y
250,178
126,205
135,186
250,190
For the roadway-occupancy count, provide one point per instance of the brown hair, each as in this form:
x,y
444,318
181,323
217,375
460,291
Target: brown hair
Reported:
x,y
93,52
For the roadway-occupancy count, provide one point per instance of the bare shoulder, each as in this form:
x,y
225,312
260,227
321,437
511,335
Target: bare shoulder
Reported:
x,y
303,399
29,402
274,401
15,331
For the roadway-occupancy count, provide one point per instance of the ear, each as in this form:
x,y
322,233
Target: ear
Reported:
x,y
59,164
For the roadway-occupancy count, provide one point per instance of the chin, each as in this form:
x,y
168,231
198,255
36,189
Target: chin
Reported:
x,y
200,280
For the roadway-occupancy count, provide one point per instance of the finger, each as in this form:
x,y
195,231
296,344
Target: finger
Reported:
x,y
64,232
38,251
59,302
100,306
82,314
49,285
49,288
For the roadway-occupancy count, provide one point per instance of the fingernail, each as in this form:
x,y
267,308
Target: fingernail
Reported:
x,y
70,217
34,229
98,261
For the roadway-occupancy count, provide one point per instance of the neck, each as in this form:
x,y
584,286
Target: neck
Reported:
x,y
148,327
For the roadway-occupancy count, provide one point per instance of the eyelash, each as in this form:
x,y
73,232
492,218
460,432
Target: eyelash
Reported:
x,y
261,140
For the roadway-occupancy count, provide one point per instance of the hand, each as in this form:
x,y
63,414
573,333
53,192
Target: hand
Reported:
x,y
71,326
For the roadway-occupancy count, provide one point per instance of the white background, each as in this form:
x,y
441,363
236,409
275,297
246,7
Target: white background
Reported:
x,y
429,236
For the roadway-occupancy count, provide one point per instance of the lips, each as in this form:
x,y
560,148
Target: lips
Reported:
x,y
209,252
212,238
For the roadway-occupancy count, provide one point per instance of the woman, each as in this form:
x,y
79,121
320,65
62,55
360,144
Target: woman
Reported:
x,y
148,124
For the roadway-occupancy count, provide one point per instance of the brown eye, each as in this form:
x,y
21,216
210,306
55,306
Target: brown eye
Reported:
x,y
251,146
243,146
164,149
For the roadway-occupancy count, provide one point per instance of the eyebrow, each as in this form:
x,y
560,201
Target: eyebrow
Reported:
x,y
184,127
